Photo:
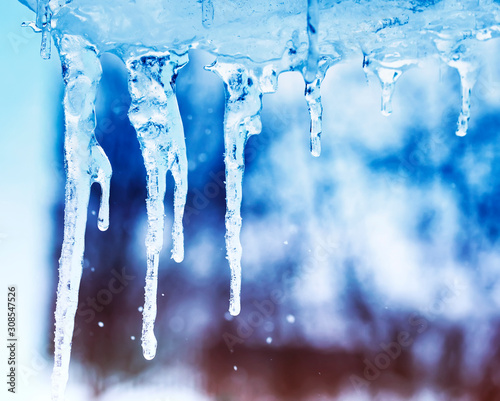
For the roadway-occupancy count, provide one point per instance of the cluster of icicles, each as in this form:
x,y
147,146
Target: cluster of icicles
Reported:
x,y
154,113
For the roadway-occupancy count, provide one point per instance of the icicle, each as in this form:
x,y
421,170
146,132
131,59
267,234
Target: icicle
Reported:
x,y
156,118
388,78
468,77
388,69
313,99
43,22
461,56
241,120
207,13
312,34
86,163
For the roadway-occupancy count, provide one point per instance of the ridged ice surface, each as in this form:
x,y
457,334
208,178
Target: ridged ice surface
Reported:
x,y
254,41
86,163
156,118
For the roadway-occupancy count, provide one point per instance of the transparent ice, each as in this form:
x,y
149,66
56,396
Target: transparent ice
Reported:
x,y
254,42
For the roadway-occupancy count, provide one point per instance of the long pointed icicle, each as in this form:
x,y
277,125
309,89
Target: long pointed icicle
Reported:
x,y
313,99
86,163
241,120
155,115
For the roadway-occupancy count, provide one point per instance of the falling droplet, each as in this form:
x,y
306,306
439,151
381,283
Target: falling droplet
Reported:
x,y
132,338
290,319
269,340
155,115
100,324
235,368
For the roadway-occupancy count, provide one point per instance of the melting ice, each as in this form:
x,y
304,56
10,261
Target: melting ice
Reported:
x,y
254,42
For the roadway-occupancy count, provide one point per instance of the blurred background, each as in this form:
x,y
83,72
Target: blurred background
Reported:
x,y
370,273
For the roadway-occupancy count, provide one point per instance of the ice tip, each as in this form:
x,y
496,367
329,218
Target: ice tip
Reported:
x,y
178,256
149,344
315,146
102,224
103,218
234,307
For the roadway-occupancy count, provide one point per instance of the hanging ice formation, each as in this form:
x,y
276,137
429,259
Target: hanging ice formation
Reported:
x,y
254,42
156,118
85,163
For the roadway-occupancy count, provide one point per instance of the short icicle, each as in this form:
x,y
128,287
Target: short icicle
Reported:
x,y
461,56
43,22
241,120
388,78
86,163
155,115
313,99
468,76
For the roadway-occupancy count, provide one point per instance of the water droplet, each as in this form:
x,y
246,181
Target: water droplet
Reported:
x,y
235,368
132,338
269,340
290,319
100,324
140,308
